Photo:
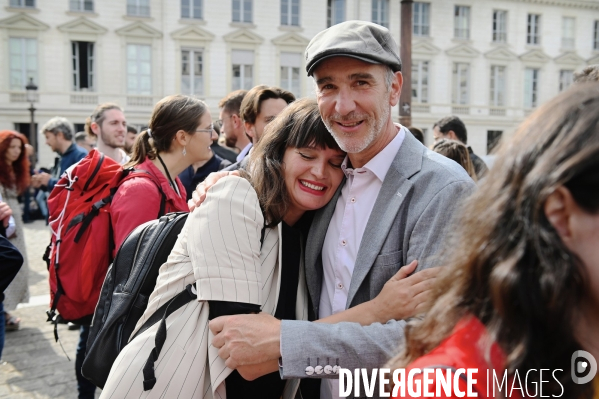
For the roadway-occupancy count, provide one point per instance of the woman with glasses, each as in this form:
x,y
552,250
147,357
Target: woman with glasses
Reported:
x,y
180,133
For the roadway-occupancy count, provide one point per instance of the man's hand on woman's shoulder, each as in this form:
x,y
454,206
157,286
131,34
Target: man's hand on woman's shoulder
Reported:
x,y
199,194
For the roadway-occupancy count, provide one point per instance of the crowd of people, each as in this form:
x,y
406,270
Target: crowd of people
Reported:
x,y
323,235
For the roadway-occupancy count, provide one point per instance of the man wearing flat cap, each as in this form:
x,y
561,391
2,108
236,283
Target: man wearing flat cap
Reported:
x,y
394,207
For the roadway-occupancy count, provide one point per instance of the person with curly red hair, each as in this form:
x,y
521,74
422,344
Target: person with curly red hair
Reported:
x,y
14,180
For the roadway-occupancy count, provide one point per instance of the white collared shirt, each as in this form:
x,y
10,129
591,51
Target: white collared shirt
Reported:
x,y
244,152
344,235
124,157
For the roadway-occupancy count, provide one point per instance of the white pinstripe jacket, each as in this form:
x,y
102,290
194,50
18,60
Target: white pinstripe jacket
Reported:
x,y
219,249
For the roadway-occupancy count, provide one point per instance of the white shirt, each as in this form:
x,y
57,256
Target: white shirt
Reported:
x,y
124,157
244,152
343,238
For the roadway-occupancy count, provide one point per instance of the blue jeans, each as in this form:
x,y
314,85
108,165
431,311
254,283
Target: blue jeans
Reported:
x,y
2,327
85,387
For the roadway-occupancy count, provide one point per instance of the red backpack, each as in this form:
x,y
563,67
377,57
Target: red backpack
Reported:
x,y
81,247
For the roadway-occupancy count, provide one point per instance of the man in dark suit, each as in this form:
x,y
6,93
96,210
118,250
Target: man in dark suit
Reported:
x,y
394,207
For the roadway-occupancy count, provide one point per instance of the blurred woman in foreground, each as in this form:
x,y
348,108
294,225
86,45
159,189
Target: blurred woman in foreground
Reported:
x,y
523,264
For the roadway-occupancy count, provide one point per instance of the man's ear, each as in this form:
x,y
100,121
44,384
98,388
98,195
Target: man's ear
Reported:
x,y
451,135
236,120
95,128
250,130
395,89
558,210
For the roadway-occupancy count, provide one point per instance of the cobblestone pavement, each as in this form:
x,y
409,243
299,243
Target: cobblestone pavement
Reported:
x,y
33,364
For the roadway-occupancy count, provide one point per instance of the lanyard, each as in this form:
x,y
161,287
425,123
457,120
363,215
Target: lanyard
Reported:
x,y
171,182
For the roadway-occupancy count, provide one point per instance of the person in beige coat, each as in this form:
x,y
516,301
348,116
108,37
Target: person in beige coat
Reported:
x,y
295,168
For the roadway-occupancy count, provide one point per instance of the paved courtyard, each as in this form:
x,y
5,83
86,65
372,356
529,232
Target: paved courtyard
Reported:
x,y
33,364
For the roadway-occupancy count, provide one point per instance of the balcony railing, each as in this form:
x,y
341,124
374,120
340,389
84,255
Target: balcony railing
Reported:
x,y
460,110
22,97
140,101
423,108
84,99
497,111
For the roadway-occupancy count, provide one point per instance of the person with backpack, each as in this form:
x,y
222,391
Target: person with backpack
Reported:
x,y
106,201
179,134
240,252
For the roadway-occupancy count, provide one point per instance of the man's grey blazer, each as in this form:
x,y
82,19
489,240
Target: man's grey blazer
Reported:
x,y
412,214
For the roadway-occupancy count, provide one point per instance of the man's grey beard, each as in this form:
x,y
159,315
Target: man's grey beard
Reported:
x,y
373,132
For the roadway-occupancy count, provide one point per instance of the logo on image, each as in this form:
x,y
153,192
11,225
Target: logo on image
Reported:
x,y
584,367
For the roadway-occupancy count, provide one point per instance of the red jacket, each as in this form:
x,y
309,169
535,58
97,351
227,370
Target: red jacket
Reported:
x,y
464,349
138,200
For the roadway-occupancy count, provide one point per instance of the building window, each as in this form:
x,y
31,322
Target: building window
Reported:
x,y
335,12
243,69
290,12
380,12
596,36
421,13
22,3
192,77
420,82
138,8
568,33
533,35
139,69
23,62
83,66
291,64
566,78
531,87
493,137
461,22
82,5
242,11
461,83
192,9
497,86
499,26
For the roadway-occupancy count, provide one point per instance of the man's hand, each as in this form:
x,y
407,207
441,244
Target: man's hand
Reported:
x,y
5,213
199,194
405,296
247,339
40,179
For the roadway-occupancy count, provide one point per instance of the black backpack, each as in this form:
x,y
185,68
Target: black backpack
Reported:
x,y
127,287
124,297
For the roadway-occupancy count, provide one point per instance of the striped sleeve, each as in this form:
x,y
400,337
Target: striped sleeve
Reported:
x,y
224,243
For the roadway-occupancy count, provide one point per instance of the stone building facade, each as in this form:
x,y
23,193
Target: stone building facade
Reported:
x,y
490,62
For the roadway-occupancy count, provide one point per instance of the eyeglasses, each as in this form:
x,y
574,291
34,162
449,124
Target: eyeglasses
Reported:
x,y
209,131
220,121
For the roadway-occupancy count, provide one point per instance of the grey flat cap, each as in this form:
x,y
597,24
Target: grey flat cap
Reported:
x,y
357,39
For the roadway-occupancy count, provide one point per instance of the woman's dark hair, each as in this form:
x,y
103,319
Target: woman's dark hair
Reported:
x,y
299,125
457,152
171,114
505,262
15,176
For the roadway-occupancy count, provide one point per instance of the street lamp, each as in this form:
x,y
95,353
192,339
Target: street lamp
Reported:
x,y
31,97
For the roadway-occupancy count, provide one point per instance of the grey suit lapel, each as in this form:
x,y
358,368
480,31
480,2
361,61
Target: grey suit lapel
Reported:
x,y
314,244
394,190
